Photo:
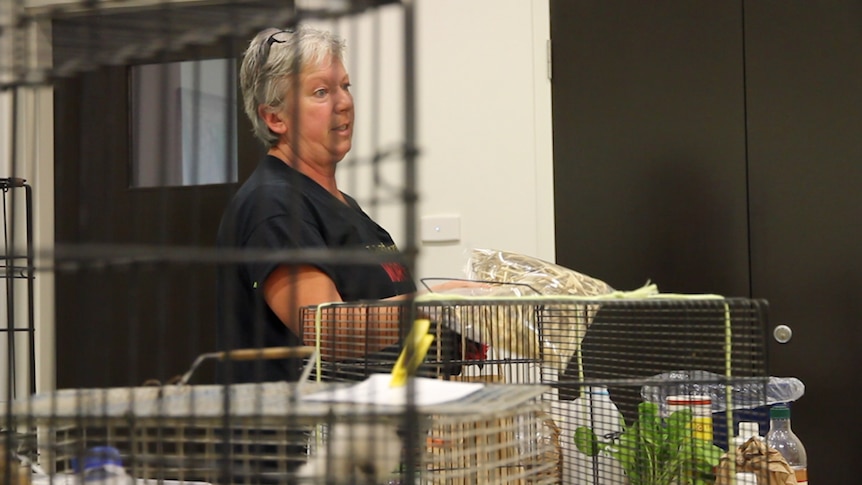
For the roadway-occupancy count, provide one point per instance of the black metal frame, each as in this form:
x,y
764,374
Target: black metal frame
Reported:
x,y
12,269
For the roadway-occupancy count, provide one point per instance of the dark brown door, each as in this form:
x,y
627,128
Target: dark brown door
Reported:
x,y
803,63
649,143
714,147
130,306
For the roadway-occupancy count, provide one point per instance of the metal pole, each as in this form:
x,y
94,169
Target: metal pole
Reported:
x,y
411,418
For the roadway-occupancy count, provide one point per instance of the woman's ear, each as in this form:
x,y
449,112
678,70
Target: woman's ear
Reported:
x,y
276,121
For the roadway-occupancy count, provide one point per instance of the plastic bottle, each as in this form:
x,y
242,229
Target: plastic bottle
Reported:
x,y
747,430
782,438
103,466
595,410
701,413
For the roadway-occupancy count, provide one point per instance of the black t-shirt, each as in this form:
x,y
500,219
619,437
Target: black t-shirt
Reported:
x,y
279,208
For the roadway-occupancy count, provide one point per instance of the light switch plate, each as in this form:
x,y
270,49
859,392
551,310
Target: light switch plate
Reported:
x,y
441,228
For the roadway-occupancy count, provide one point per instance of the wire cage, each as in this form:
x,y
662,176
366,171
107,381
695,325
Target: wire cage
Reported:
x,y
149,142
274,433
608,361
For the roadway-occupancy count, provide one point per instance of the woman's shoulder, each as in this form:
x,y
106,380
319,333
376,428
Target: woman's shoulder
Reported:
x,y
271,178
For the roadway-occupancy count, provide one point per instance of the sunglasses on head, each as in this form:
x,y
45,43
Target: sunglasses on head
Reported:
x,y
267,44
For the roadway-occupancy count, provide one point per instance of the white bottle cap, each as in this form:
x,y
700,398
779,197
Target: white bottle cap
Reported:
x,y
747,429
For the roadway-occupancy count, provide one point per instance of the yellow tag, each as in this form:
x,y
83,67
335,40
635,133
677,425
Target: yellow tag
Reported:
x,y
416,345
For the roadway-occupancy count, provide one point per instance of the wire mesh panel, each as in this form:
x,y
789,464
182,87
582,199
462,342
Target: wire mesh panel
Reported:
x,y
140,105
151,144
569,339
639,339
654,378
271,433
169,26
491,341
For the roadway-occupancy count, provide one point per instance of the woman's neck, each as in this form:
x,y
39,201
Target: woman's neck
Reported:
x,y
322,174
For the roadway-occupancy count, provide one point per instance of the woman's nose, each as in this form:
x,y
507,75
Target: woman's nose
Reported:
x,y
344,101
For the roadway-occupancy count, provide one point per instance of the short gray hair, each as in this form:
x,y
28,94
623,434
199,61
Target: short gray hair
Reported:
x,y
273,60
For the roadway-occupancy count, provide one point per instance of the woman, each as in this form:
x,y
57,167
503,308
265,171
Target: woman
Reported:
x,y
296,93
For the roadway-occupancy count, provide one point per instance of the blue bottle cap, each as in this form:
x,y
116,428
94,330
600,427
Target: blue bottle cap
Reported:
x,y
597,390
99,456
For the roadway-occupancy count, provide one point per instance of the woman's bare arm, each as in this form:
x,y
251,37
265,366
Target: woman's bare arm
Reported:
x,y
347,333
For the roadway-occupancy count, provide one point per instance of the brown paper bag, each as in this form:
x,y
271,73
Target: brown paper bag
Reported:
x,y
754,456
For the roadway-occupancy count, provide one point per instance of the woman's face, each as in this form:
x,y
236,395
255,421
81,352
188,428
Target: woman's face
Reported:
x,y
324,130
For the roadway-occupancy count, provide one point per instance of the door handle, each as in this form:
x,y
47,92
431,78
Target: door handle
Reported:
x,y
782,334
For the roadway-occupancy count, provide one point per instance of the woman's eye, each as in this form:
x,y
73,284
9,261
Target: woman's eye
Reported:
x,y
346,86
320,93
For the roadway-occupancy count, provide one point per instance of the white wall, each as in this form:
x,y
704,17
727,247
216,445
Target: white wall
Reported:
x,y
484,124
485,127
5,166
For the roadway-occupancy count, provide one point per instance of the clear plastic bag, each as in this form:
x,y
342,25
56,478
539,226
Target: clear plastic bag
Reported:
x,y
746,393
543,277
513,329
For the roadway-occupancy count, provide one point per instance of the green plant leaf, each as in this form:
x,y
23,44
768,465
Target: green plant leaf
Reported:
x,y
586,441
648,410
648,415
708,457
625,453
709,453
679,426
649,423
653,451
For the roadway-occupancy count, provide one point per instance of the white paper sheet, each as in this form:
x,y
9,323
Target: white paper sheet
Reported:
x,y
376,390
